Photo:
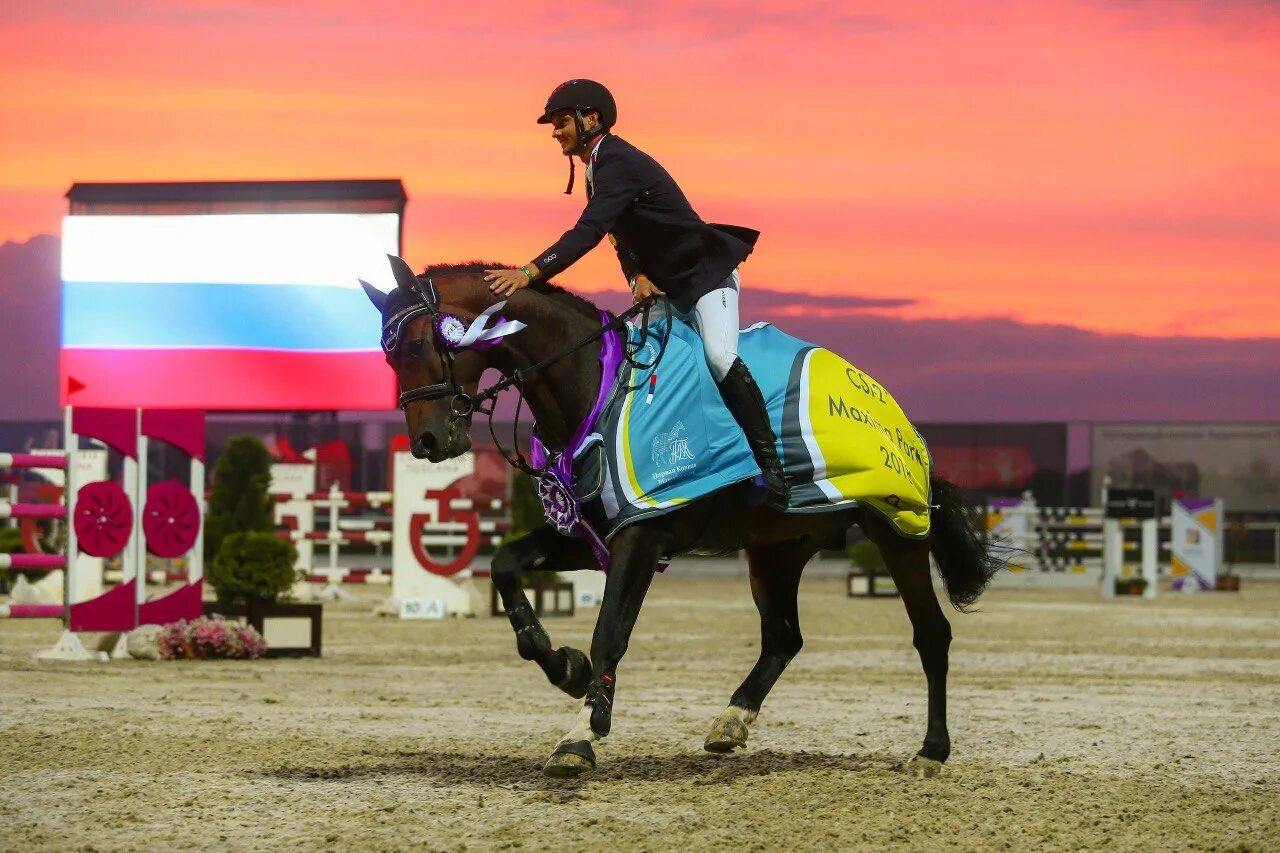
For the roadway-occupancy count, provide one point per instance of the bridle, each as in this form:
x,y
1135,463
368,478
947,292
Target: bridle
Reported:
x,y
462,404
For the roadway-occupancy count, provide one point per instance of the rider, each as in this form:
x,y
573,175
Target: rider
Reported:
x,y
660,241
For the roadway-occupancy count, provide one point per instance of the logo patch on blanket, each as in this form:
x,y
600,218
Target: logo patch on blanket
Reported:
x,y
668,438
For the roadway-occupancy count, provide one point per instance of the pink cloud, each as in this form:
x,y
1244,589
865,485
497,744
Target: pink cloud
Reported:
x,y
1111,162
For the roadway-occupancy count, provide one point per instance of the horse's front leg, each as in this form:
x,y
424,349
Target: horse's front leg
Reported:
x,y
542,550
633,559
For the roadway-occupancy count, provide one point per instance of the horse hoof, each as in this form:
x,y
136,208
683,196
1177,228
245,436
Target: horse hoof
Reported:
x,y
922,768
570,758
577,673
727,733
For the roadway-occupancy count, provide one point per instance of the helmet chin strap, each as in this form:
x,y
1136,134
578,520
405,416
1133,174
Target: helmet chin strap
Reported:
x,y
584,139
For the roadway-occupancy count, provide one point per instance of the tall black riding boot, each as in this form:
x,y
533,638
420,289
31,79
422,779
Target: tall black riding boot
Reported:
x,y
746,404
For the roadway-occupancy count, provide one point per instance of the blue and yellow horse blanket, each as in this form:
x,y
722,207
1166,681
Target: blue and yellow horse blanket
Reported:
x,y
663,436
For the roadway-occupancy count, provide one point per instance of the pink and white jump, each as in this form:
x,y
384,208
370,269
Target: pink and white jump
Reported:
x,y
108,521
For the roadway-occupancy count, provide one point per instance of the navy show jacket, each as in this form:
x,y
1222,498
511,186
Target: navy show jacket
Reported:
x,y
654,228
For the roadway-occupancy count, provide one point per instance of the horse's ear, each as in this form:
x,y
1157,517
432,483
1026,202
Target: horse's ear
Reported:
x,y
405,279
377,297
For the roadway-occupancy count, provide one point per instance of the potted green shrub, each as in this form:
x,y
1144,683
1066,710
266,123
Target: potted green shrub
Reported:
x,y
1236,541
545,590
1229,581
249,567
1131,585
10,543
240,501
868,574
253,568
866,558
526,506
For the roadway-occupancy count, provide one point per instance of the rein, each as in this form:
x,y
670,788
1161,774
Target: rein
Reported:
x,y
517,460
462,404
517,377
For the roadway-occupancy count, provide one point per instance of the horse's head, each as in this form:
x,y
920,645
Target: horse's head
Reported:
x,y
438,355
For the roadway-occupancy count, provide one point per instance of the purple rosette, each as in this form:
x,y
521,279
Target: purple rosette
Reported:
x,y
450,331
558,502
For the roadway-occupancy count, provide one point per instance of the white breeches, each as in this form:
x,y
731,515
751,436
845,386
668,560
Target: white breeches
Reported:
x,y
716,317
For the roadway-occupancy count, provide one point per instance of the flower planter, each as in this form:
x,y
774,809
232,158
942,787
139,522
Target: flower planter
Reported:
x,y
867,583
290,629
1130,586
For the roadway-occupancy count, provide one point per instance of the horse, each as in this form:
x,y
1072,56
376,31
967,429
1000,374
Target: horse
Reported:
x,y
560,387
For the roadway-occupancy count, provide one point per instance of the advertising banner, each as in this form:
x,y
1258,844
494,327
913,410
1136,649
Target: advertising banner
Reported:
x,y
1002,460
1239,463
1196,541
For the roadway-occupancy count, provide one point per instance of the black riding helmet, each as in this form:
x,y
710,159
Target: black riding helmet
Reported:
x,y
581,96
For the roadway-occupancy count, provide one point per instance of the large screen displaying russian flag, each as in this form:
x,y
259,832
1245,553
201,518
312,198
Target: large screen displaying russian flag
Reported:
x,y
225,311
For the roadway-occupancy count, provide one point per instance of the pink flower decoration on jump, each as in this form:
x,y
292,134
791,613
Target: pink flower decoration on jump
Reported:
x,y
170,519
103,519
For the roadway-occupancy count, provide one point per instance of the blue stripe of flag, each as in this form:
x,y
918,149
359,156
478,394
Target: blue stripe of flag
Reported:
x,y
257,316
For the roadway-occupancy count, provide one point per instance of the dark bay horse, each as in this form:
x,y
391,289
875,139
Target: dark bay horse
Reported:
x,y
439,384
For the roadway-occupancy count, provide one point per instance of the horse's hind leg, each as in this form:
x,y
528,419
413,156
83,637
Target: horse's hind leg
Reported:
x,y
908,563
775,575
542,550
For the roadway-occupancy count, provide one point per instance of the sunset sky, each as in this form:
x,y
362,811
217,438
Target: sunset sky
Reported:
x,y
1113,167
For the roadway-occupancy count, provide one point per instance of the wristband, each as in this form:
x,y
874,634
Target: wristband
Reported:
x,y
527,272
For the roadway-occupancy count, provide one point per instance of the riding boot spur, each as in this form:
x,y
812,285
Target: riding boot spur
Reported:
x,y
742,396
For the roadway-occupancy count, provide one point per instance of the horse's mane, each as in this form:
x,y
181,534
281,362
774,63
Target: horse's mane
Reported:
x,y
580,304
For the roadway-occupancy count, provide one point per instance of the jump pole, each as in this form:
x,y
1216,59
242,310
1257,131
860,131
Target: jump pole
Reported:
x,y
70,471
33,460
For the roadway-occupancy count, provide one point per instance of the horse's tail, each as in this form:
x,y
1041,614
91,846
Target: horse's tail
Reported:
x,y
958,543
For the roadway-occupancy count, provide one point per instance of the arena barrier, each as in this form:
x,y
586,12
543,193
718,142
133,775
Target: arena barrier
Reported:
x,y
426,511
1059,545
105,522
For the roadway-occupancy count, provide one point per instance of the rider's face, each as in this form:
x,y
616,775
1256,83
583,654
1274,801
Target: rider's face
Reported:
x,y
564,131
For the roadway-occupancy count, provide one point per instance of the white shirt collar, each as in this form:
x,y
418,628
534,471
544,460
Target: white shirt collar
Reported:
x,y
591,161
